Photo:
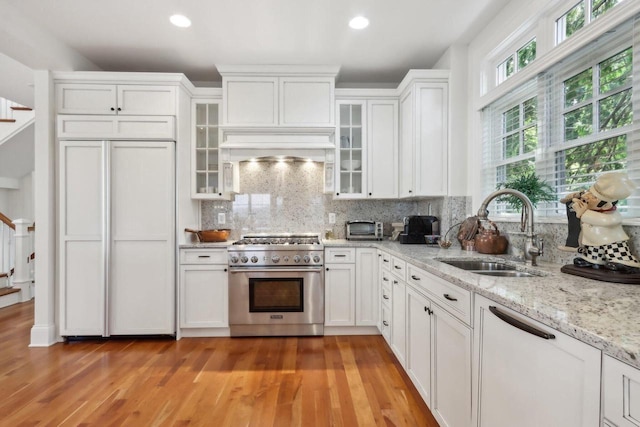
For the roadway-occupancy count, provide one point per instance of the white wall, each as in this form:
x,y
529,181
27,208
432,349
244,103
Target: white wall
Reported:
x,y
18,203
455,60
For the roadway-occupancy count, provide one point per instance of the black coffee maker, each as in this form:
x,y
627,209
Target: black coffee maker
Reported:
x,y
418,226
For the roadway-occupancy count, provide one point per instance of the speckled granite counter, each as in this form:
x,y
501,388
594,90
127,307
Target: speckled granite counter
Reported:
x,y
196,245
605,315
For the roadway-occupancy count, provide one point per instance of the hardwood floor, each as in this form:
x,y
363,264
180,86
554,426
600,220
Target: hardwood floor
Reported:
x,y
323,381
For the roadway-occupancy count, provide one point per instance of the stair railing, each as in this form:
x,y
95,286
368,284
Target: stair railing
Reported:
x,y
7,250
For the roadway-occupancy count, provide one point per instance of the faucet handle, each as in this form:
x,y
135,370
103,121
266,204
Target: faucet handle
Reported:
x,y
540,246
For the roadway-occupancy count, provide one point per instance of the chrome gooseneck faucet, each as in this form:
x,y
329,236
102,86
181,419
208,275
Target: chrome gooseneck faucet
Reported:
x,y
531,247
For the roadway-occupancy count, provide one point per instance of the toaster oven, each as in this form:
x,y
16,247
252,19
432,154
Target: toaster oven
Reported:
x,y
364,230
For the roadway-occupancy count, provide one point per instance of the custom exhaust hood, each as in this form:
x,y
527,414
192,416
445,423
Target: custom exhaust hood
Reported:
x,y
275,111
275,143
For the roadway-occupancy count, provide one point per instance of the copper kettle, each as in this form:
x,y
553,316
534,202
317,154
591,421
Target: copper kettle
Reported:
x,y
489,241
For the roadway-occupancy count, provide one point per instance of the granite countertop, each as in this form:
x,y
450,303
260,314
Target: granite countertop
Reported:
x,y
604,315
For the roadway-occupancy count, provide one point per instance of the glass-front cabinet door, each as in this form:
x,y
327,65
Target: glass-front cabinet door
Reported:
x,y
207,166
350,156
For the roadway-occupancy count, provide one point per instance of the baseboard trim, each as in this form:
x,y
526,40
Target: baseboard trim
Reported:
x,y
351,330
43,336
10,299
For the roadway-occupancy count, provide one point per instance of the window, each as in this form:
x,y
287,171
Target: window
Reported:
x,y
570,123
597,114
516,61
579,15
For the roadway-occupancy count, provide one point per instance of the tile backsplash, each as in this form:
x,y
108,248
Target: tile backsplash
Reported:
x,y
287,197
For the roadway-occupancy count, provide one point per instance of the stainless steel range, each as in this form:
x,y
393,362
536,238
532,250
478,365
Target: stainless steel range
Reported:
x,y
276,285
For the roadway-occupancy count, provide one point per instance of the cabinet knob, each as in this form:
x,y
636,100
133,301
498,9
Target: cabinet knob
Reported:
x,y
337,194
327,268
113,109
395,282
225,269
219,194
370,194
119,109
410,191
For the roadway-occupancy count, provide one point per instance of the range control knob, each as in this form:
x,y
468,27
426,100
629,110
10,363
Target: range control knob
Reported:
x,y
275,259
285,259
306,259
316,258
254,259
296,258
234,259
244,259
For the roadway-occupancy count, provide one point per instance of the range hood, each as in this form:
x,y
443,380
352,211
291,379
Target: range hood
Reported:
x,y
247,143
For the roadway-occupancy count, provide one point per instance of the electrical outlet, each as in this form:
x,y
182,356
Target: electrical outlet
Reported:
x,y
332,218
222,218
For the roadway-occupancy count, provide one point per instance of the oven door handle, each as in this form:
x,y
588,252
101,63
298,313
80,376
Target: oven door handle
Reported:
x,y
275,270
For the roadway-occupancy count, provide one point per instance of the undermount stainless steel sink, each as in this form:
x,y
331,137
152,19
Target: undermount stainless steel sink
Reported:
x,y
488,268
474,265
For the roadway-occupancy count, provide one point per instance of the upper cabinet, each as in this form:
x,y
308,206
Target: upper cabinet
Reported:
x,y
110,99
366,147
285,96
424,133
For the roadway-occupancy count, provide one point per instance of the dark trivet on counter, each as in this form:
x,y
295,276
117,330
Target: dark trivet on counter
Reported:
x,y
416,227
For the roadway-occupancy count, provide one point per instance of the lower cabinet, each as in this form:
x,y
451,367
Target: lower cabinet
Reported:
x,y
204,294
621,393
529,375
398,319
339,294
439,359
351,287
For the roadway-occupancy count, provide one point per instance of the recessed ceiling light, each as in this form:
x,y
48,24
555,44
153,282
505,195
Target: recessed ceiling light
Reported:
x,y
180,21
359,22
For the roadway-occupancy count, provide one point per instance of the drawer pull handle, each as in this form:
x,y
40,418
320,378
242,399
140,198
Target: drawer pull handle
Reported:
x,y
395,282
385,323
340,256
521,325
385,279
385,296
204,256
450,298
397,268
415,277
385,260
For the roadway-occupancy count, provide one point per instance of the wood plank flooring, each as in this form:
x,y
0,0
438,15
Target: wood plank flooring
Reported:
x,y
323,381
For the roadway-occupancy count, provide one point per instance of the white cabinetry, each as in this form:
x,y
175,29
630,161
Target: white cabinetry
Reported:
x,y
398,309
621,393
203,292
116,254
439,346
530,375
351,287
418,363
367,307
424,134
265,96
340,294
211,178
367,149
72,98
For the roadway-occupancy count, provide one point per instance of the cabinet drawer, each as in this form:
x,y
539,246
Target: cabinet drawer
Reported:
x,y
203,256
112,127
385,324
385,260
386,293
452,298
399,268
340,255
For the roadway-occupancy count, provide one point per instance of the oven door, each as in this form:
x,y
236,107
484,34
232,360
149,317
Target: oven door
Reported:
x,y
276,301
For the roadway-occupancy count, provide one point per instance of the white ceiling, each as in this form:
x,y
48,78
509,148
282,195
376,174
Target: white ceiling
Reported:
x,y
135,35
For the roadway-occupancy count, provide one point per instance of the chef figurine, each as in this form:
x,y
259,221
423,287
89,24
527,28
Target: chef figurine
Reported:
x,y
603,242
